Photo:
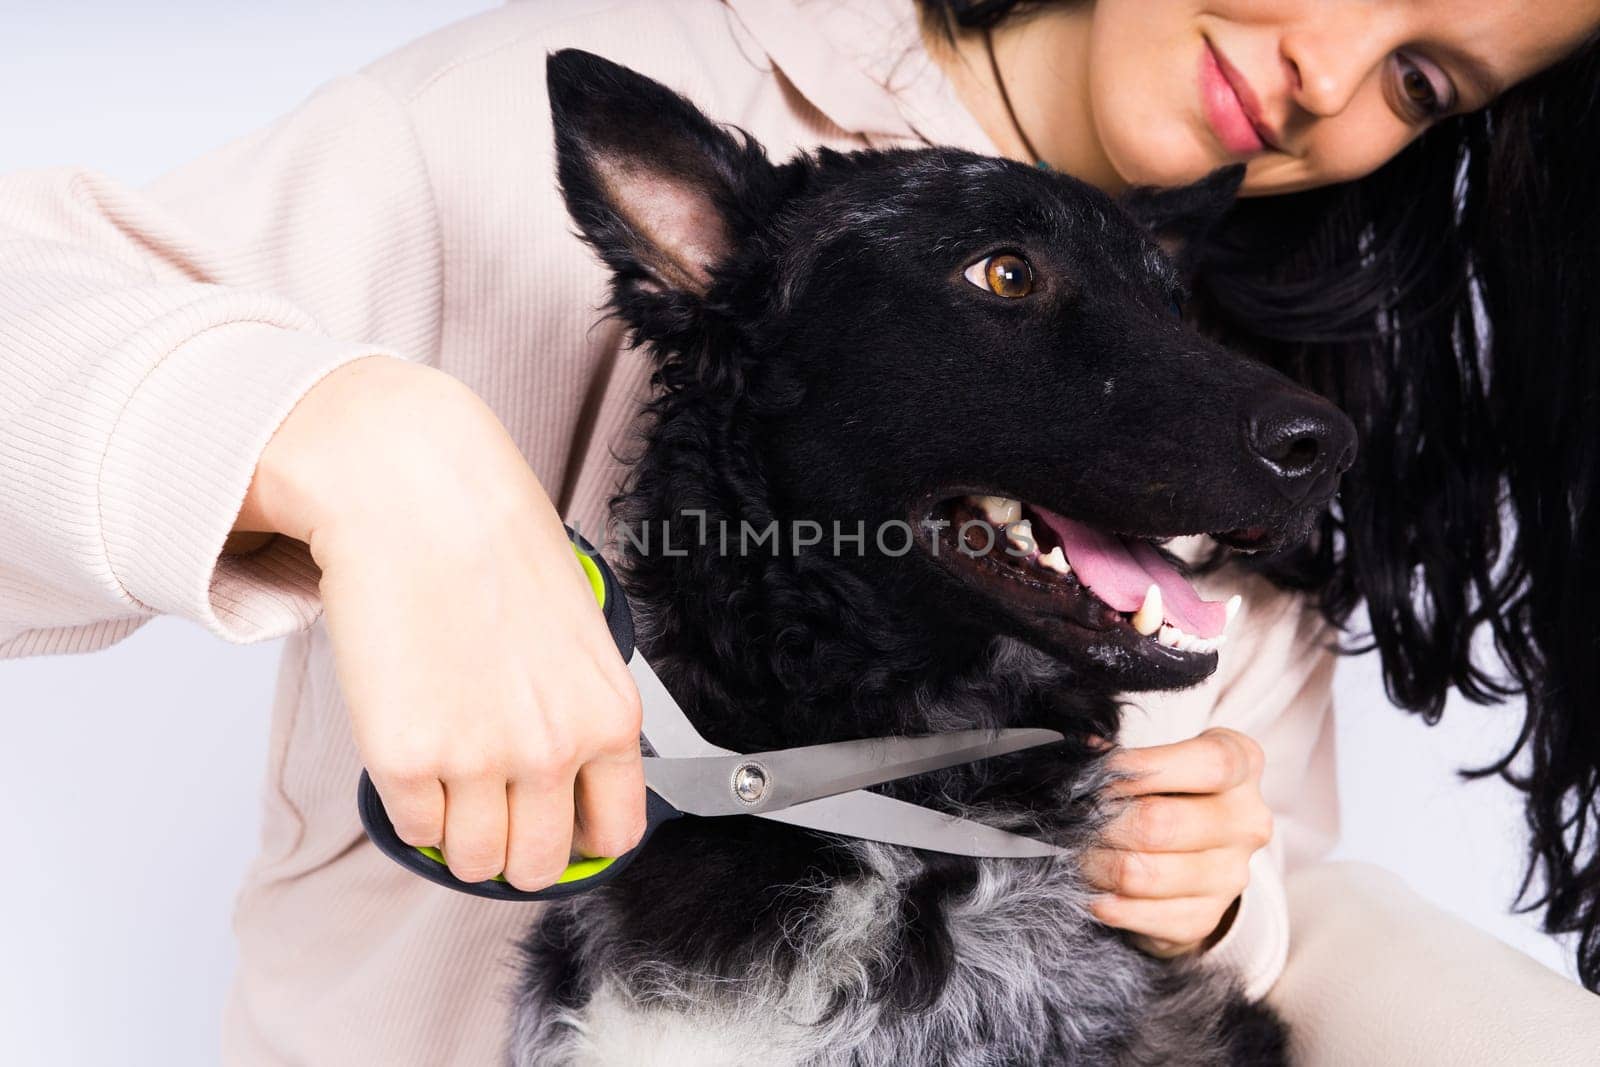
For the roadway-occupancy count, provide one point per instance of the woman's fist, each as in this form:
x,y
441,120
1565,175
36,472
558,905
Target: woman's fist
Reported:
x,y
1176,856
487,699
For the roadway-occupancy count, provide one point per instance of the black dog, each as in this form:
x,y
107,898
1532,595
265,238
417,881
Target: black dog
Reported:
x,y
899,344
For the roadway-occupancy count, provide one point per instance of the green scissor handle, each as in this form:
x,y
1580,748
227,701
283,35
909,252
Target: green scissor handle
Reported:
x,y
580,876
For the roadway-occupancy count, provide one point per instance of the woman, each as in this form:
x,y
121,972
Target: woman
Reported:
x,y
1470,506
189,361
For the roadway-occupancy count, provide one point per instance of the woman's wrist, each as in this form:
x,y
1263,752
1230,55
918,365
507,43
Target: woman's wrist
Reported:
x,y
347,447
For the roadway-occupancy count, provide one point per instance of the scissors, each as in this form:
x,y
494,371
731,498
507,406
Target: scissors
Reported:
x,y
822,787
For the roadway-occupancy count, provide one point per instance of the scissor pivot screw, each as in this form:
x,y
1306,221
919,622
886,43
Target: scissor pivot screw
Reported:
x,y
750,783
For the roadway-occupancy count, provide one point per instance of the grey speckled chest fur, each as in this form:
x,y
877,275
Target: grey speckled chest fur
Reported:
x,y
1036,980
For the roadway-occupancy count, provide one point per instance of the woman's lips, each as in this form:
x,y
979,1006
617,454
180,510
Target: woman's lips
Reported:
x,y
1224,110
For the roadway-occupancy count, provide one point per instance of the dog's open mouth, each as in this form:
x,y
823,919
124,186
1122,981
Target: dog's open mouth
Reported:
x,y
1115,586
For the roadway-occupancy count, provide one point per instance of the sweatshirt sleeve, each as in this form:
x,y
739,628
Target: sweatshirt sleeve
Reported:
x,y
1281,695
151,342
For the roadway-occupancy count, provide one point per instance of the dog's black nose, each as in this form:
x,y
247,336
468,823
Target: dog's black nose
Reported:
x,y
1305,442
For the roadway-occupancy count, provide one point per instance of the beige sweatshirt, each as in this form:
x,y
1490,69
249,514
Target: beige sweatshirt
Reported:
x,y
151,340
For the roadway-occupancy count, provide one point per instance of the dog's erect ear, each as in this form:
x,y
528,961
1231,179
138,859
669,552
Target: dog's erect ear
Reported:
x,y
1180,218
660,191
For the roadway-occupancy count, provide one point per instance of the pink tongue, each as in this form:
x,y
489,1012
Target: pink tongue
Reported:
x,y
1119,572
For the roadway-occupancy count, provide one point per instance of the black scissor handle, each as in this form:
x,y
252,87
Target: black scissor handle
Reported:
x,y
579,877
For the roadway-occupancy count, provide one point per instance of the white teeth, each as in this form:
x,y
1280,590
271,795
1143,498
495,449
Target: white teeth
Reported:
x,y
1147,620
1173,637
1020,534
1055,560
998,509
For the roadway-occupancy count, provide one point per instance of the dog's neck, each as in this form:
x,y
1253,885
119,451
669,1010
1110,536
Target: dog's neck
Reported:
x,y
769,649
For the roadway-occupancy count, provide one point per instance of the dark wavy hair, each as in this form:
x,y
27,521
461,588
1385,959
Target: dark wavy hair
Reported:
x,y
1450,303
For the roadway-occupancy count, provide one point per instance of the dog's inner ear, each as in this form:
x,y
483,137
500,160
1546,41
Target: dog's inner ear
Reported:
x,y
657,187
1180,218
676,231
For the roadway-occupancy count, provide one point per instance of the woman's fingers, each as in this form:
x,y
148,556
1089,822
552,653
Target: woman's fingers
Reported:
x,y
1213,762
1176,855
475,824
1182,923
610,784
610,799
1190,823
1165,875
415,803
539,833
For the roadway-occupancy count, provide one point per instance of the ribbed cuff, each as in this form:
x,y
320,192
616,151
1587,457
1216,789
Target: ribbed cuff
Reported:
x,y
177,468
1256,946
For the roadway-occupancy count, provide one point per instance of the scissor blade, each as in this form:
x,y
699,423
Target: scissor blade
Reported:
x,y
666,727
815,771
706,785
895,822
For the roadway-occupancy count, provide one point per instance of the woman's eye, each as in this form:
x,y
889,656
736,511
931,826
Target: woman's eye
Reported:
x,y
1003,274
1425,90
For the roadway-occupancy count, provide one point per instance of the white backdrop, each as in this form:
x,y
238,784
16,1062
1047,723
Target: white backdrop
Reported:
x,y
127,832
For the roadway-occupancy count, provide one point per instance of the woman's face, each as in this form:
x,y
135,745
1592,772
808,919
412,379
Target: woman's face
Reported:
x,y
1305,91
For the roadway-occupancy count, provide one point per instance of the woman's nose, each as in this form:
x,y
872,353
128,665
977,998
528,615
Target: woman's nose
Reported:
x,y
1332,54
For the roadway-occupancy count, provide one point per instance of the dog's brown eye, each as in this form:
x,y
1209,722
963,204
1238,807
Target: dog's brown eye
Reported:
x,y
1004,274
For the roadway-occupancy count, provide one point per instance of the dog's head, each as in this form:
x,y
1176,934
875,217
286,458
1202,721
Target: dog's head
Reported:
x,y
980,362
